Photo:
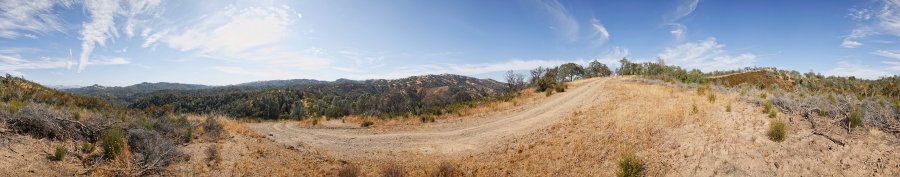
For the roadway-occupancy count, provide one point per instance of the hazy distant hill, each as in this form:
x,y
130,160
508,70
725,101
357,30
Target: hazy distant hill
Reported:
x,y
283,82
129,93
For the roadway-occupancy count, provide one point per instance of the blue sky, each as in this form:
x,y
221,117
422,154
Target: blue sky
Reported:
x,y
120,43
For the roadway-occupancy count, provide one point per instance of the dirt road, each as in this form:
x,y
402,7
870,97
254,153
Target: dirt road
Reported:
x,y
444,137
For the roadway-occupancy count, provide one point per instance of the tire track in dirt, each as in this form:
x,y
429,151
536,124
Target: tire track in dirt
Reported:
x,y
467,135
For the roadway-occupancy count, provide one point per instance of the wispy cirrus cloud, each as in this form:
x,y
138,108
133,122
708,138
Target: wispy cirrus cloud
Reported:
x,y
563,22
12,61
855,68
25,18
684,8
881,19
895,54
601,34
102,24
706,55
242,34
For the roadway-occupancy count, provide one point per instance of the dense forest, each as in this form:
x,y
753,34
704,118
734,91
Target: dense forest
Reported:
x,y
301,98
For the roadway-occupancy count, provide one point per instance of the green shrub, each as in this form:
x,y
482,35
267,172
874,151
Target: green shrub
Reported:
x,y
548,92
763,95
87,147
427,118
822,113
777,130
113,142
630,166
14,106
773,113
856,117
728,107
60,153
366,124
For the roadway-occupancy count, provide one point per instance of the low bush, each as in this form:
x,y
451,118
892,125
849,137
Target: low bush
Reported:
x,y
427,118
711,97
548,92
560,87
773,113
446,169
630,166
777,130
728,107
44,122
60,153
348,171
113,142
151,151
366,124
214,153
213,128
392,170
856,117
14,106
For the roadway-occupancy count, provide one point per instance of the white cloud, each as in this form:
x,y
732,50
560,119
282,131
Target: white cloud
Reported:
x,y
234,30
563,21
19,17
601,34
12,62
886,20
847,68
706,55
685,8
891,65
102,24
890,54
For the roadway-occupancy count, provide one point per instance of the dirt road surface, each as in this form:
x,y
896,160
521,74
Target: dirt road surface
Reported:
x,y
465,135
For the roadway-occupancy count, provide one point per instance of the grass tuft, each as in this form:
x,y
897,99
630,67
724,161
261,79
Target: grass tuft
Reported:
x,y
773,113
777,130
695,109
711,97
630,166
548,92
366,124
728,107
60,153
856,118
427,118
445,170
87,147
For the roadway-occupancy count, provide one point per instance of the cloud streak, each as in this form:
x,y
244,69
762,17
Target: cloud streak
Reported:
x,y
706,55
102,24
685,8
20,18
884,19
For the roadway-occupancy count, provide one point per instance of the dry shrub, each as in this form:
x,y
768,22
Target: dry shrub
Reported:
x,y
213,128
151,151
366,124
214,154
43,122
446,169
392,170
348,171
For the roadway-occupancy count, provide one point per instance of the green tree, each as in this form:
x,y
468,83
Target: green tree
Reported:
x,y
570,71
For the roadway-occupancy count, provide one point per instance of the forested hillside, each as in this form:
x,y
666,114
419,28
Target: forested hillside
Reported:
x,y
276,100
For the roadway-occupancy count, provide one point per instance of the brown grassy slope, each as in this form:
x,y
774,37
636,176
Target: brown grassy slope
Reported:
x,y
754,78
657,124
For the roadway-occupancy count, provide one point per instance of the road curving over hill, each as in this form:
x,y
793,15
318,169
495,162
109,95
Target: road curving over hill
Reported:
x,y
465,135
